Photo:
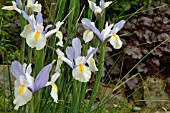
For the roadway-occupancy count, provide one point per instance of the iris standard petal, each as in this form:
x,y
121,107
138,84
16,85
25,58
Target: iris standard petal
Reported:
x,y
89,50
19,4
89,55
88,36
39,18
77,47
26,31
70,53
115,41
102,4
118,26
17,69
42,78
82,75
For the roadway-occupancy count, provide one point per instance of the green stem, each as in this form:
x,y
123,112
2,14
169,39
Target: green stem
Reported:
x,y
31,107
23,23
29,55
82,95
22,53
39,61
38,66
84,85
98,76
76,94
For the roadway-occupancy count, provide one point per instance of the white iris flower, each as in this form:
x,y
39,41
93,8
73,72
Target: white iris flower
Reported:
x,y
81,71
34,34
98,9
25,85
107,34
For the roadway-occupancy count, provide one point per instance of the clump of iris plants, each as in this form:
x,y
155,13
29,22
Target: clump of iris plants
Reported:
x,y
29,81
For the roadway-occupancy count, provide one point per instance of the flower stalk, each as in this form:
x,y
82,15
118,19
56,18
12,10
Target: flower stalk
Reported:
x,y
98,76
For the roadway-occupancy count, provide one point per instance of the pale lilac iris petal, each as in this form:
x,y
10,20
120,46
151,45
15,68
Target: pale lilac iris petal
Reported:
x,y
19,4
33,1
84,21
87,24
42,78
118,26
29,20
17,69
93,8
46,28
77,47
91,53
70,53
39,18
102,4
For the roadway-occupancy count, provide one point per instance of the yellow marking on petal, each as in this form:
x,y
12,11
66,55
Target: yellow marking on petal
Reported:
x,y
81,68
58,59
59,32
88,32
116,37
37,35
55,86
92,59
21,89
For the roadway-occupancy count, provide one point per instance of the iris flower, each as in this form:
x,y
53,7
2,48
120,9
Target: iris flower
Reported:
x,y
18,6
34,5
109,33
34,34
15,6
80,71
25,85
98,9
